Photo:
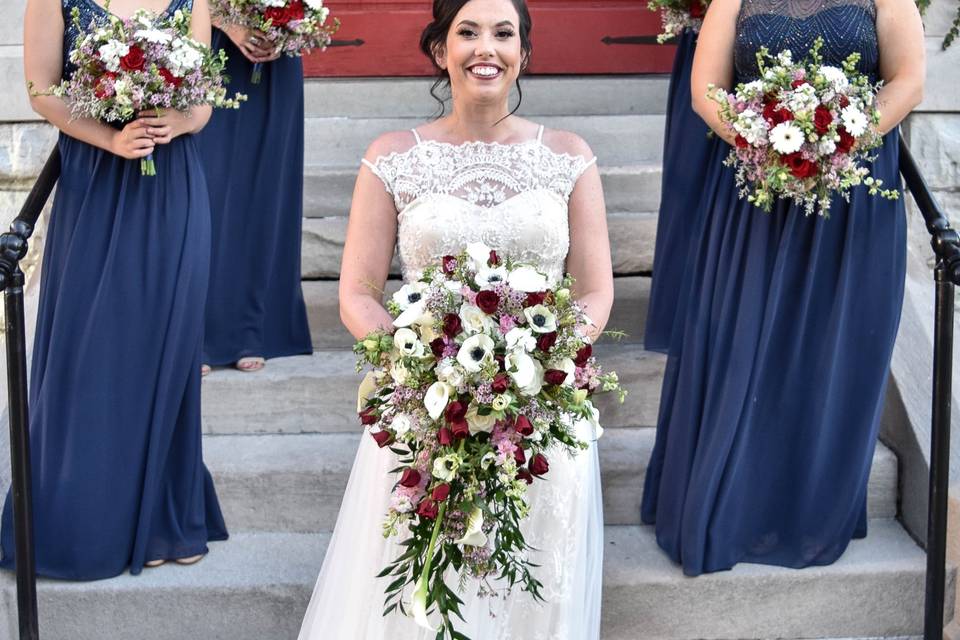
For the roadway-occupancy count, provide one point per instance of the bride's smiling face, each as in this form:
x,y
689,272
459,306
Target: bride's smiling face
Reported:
x,y
483,52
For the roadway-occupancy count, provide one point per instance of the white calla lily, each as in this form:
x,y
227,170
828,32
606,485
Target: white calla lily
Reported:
x,y
436,398
536,385
474,535
410,315
475,352
367,386
418,604
527,279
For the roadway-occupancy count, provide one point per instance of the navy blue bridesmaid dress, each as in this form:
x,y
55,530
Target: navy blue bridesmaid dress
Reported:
x,y
118,476
770,411
254,165
686,151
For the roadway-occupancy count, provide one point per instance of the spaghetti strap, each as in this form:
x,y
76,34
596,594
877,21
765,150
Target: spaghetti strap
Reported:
x,y
540,134
416,135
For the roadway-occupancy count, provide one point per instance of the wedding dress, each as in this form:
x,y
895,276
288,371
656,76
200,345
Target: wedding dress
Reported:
x,y
514,199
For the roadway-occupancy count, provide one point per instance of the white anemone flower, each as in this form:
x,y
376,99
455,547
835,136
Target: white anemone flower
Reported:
x,y
407,343
854,121
478,423
540,319
436,398
475,352
527,279
786,137
487,278
521,338
474,535
409,294
445,468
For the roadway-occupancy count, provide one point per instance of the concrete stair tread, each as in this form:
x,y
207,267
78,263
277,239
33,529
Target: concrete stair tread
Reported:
x,y
296,482
256,587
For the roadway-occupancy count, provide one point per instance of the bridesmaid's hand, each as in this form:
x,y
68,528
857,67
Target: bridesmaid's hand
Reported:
x,y
252,44
163,125
132,141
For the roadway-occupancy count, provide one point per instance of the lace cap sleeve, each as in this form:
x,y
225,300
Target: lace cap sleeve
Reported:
x,y
380,170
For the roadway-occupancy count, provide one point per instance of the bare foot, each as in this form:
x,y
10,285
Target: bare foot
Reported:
x,y
250,364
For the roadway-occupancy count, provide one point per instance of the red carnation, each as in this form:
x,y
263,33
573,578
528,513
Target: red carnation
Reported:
x,y
546,341
741,142
525,475
533,299
488,301
168,77
445,437
437,346
449,264
452,326
523,426
539,465
799,166
134,59
460,429
494,259
501,382
822,119
428,509
846,141
555,376
440,492
583,354
383,438
368,417
410,478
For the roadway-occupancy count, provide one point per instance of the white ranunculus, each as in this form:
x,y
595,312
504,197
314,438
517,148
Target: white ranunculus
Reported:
x,y
111,52
153,35
474,319
521,338
540,319
367,386
451,374
854,121
474,535
520,367
488,278
409,294
501,401
478,423
527,279
835,76
475,352
406,342
479,253
401,424
398,371
436,398
786,137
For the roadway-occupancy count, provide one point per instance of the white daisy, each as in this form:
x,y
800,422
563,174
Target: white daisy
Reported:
x,y
853,120
786,137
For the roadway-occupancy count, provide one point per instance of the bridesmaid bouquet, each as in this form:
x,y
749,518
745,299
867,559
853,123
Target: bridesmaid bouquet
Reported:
x,y
677,15
486,377
295,26
802,130
144,62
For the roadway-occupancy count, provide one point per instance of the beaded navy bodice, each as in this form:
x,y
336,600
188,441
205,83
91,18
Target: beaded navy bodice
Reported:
x,y
90,11
846,26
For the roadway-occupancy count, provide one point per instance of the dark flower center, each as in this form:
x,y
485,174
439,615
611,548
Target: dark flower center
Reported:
x,y
477,354
413,297
539,320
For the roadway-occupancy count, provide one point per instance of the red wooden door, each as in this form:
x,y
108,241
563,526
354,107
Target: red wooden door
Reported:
x,y
381,38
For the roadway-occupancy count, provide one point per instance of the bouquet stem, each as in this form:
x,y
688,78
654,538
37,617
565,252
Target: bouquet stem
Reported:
x,y
257,73
147,166
420,595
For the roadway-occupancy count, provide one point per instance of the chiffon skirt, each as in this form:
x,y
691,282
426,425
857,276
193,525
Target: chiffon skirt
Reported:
x,y
118,475
565,525
774,388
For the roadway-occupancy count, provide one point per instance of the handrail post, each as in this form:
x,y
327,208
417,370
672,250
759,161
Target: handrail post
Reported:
x,y
939,454
20,457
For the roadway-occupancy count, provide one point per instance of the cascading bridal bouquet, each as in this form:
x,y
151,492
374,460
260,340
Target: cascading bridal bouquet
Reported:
x,y
294,26
144,62
802,130
677,15
487,376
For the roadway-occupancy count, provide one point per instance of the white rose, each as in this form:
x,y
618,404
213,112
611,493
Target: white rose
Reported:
x,y
488,278
436,398
401,424
408,344
409,294
475,352
540,319
527,279
474,320
451,374
521,338
478,423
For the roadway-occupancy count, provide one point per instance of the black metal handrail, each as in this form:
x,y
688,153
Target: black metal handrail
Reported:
x,y
946,246
13,247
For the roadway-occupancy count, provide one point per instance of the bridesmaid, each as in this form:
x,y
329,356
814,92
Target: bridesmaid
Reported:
x,y
254,165
686,149
771,410
118,478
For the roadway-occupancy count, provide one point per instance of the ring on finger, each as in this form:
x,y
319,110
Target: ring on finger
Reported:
x,y
253,40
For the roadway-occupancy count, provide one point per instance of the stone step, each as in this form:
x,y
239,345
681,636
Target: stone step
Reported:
x,y
296,482
629,313
542,96
317,393
327,190
256,586
632,239
614,139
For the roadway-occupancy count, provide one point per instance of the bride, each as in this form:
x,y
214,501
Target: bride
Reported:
x,y
480,174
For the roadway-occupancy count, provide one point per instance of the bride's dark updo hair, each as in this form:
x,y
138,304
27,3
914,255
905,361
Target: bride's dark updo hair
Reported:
x,y
434,38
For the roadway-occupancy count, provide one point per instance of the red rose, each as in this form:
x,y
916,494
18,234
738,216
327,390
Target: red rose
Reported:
x,y
488,301
460,429
697,9
555,376
494,259
383,438
539,465
295,10
822,119
410,478
775,115
741,142
846,141
278,16
452,326
134,59
440,492
796,84
799,166
519,456
501,360
533,299
524,475
844,102
583,355
428,509
523,426
169,78
449,264
102,90
546,341
455,411
445,437
501,382
368,417
436,346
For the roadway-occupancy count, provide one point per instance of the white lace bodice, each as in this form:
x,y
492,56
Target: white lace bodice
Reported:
x,y
512,197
